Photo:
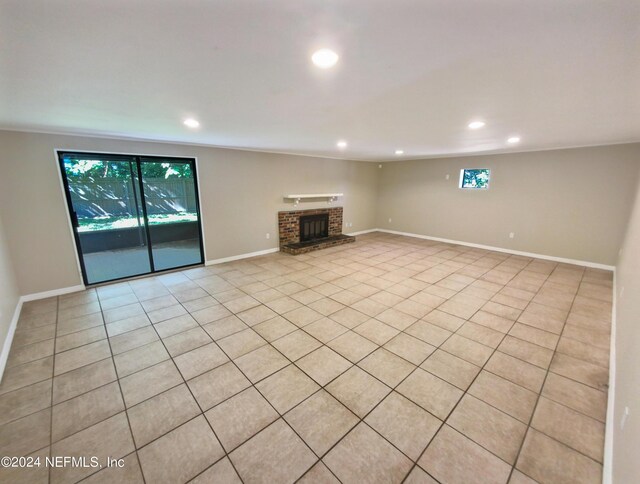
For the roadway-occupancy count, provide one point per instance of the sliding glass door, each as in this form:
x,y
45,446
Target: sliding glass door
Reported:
x,y
132,215
172,208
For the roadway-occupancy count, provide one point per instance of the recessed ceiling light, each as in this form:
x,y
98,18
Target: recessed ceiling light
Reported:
x,y
341,144
191,123
476,124
324,58
399,152
514,139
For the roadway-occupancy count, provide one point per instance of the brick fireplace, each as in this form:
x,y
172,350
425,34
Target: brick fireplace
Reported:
x,y
289,230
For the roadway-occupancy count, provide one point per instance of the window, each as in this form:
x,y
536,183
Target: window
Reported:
x,y
477,178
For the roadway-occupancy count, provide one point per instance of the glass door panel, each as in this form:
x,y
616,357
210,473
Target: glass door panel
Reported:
x,y
132,215
106,212
171,203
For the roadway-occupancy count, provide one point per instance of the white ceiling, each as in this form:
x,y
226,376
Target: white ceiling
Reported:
x,y
411,75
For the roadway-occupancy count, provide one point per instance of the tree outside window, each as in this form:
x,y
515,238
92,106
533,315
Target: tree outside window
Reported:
x,y
477,178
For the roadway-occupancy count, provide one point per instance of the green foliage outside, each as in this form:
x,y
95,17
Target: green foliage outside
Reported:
x,y
89,170
111,223
476,178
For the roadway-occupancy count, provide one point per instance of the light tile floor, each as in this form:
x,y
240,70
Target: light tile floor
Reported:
x,y
386,360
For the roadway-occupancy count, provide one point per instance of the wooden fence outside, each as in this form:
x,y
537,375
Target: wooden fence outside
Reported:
x,y
117,198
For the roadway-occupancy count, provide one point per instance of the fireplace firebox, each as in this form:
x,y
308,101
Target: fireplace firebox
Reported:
x,y
314,227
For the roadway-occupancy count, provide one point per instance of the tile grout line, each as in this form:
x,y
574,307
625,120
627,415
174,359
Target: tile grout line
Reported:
x,y
124,402
225,454
262,303
249,326
318,348
379,289
399,383
539,396
252,385
547,371
268,343
312,335
444,422
309,396
53,372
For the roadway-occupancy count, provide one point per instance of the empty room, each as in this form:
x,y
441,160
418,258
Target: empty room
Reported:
x,y
313,241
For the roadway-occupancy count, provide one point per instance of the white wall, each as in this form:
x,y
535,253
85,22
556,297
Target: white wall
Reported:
x,y
570,203
8,295
241,193
626,440
564,203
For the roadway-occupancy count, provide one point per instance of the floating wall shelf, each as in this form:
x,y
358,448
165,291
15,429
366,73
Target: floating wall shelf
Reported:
x,y
331,197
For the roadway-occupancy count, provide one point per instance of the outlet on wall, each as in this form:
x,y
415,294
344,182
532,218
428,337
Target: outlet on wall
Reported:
x,y
268,235
512,235
389,220
446,177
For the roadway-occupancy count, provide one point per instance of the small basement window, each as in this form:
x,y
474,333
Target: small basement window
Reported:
x,y
477,178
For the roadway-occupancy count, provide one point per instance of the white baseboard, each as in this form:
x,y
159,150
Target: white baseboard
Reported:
x,y
6,347
594,265
583,263
267,251
361,232
607,466
241,256
53,293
